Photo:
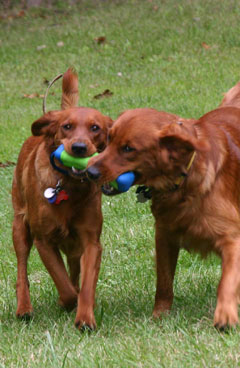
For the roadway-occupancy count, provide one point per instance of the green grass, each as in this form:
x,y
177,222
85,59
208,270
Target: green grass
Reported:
x,y
157,47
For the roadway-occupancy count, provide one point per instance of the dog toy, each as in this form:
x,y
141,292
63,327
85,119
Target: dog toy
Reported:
x,y
122,183
62,156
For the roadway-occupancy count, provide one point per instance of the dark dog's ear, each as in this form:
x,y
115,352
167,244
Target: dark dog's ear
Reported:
x,y
176,146
174,139
46,125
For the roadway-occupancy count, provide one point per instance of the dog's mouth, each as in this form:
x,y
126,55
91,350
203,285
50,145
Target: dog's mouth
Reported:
x,y
109,190
78,174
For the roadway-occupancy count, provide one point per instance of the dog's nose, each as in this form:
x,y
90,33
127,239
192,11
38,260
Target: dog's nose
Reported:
x,y
93,173
79,148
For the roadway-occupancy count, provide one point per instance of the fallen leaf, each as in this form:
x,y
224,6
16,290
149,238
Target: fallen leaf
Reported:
x,y
41,47
12,16
33,95
20,14
94,85
205,46
7,164
106,93
100,40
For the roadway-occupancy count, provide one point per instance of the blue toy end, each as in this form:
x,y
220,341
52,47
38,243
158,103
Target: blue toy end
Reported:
x,y
125,181
58,152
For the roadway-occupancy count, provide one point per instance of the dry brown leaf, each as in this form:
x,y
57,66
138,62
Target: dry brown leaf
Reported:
x,y
106,93
3,165
100,40
205,46
33,95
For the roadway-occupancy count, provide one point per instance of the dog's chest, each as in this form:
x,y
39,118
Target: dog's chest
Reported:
x,y
193,244
188,227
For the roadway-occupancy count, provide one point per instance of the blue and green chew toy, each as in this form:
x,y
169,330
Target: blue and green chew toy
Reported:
x,y
122,183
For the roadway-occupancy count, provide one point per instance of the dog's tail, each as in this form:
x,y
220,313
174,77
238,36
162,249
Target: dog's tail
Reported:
x,y
69,89
232,97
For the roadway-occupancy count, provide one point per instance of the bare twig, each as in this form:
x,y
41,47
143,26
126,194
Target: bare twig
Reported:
x,y
46,93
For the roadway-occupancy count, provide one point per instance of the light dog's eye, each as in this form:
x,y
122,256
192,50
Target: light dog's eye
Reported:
x,y
127,148
94,128
67,126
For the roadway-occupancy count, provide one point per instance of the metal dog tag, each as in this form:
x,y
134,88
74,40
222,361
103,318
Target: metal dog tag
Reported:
x,y
143,194
49,193
141,198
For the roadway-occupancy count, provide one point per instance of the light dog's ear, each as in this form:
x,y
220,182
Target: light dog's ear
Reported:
x,y
46,125
232,97
69,89
109,121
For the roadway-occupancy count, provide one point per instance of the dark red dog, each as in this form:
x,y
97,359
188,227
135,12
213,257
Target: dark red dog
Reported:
x,y
192,170
73,223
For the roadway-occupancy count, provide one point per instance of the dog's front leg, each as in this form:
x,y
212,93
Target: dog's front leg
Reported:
x,y
226,313
53,262
90,265
166,260
22,241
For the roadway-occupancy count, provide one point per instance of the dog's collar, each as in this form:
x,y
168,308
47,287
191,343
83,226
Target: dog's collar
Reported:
x,y
178,182
52,160
145,193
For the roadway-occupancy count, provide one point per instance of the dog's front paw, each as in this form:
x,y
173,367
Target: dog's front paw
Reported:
x,y
85,322
160,307
24,312
68,304
225,316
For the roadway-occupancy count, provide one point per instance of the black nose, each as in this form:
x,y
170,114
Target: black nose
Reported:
x,y
79,148
93,173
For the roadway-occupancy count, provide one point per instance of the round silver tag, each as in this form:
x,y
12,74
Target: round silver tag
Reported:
x,y
49,193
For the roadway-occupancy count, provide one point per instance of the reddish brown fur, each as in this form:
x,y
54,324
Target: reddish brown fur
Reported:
x,y
70,90
232,97
203,214
73,226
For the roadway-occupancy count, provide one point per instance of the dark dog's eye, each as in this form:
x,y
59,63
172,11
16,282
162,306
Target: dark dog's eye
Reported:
x,y
94,128
128,148
67,126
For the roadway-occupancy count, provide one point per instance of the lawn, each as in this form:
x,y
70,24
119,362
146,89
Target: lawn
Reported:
x,y
177,56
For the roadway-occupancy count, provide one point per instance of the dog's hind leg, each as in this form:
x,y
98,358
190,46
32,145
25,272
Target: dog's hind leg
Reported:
x,y
226,313
22,241
74,270
53,262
